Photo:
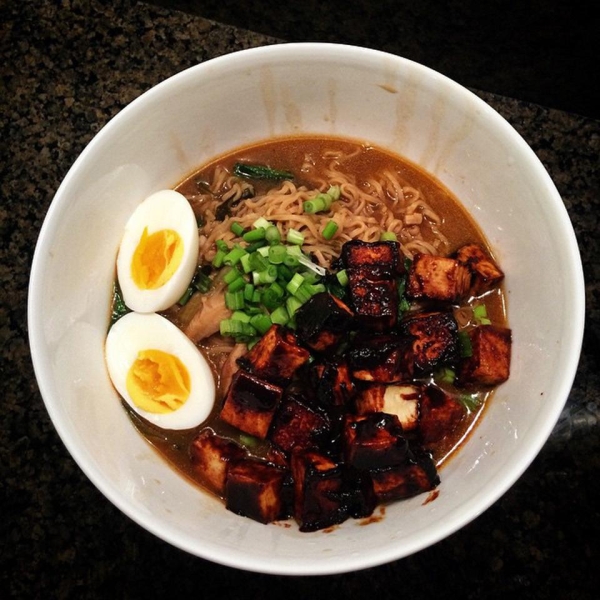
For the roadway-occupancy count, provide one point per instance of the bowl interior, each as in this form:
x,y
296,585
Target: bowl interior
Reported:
x,y
287,90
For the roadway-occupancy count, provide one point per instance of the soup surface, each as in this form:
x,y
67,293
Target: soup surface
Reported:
x,y
380,197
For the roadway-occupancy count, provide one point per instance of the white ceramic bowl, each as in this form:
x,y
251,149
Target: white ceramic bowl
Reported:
x,y
291,89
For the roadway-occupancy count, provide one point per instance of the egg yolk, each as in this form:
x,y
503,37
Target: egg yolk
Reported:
x,y
158,382
156,258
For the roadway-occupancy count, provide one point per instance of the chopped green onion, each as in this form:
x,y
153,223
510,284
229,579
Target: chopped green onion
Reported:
x,y
239,315
237,284
464,344
254,235
222,245
119,308
295,282
295,237
313,206
304,292
480,315
234,300
237,229
261,222
268,275
388,236
322,201
260,172
236,328
445,375
292,304
272,296
233,256
257,262
202,282
254,246
334,191
245,262
248,292
262,323
272,234
330,230
231,275
403,306
470,401
217,261
277,254
291,261
280,316
342,277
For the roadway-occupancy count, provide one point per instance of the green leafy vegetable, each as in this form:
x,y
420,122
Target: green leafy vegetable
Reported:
x,y
260,172
119,308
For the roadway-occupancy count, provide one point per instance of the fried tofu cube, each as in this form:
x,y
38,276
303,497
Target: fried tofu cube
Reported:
x,y
486,274
318,490
332,382
435,339
251,403
489,363
322,321
254,489
298,423
404,481
374,440
276,356
439,416
401,400
381,359
374,301
380,260
358,492
437,278
211,455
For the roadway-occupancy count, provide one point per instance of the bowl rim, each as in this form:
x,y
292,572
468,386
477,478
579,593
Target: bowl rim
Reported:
x,y
286,566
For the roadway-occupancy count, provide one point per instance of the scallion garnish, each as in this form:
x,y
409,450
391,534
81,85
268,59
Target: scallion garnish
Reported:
x,y
330,230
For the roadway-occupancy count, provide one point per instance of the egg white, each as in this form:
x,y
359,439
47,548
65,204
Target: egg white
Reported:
x,y
166,209
135,332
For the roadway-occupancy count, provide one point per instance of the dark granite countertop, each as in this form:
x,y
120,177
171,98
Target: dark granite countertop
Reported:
x,y
68,67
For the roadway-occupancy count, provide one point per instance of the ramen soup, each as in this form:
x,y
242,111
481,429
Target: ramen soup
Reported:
x,y
350,311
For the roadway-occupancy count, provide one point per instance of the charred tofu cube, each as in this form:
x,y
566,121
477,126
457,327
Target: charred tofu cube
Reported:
x,y
251,403
318,490
254,489
298,423
489,363
374,441
381,260
440,415
486,274
381,358
401,400
374,301
322,321
332,382
403,481
358,493
276,356
435,339
211,455
438,278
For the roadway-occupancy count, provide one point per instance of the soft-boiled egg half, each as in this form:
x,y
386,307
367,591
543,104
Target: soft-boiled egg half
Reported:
x,y
159,371
158,252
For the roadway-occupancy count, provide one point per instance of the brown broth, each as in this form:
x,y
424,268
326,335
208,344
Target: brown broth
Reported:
x,y
289,154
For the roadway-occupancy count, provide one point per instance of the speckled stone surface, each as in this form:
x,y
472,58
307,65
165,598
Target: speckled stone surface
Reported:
x,y
67,68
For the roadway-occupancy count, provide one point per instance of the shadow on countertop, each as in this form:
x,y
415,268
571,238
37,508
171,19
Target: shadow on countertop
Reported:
x,y
540,51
